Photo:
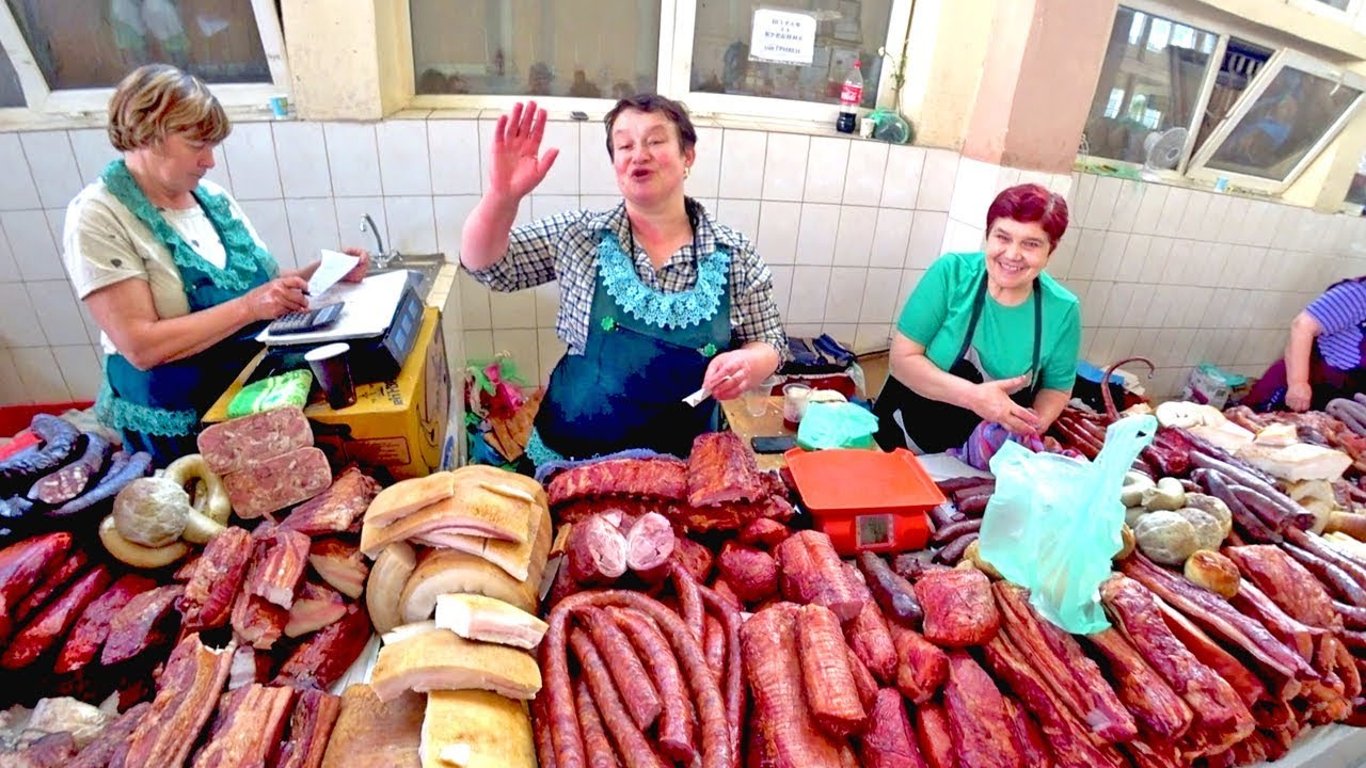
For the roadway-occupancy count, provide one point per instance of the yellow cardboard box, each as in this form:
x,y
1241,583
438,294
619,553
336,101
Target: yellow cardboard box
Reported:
x,y
398,425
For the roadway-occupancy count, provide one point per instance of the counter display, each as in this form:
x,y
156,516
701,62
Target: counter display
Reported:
x,y
651,611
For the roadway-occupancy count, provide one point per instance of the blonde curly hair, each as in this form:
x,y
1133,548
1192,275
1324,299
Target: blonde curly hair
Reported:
x,y
157,100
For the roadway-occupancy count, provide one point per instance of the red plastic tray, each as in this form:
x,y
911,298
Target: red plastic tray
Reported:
x,y
866,500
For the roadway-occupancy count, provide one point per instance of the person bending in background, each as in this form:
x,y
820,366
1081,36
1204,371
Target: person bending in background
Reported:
x,y
656,298
985,336
171,270
1325,356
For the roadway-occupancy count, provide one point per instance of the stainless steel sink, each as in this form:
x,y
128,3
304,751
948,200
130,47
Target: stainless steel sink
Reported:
x,y
421,268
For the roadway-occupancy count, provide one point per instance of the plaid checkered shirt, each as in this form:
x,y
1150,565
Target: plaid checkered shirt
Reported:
x,y
564,247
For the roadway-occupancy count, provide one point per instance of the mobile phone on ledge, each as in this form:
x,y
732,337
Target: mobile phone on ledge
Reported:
x,y
772,443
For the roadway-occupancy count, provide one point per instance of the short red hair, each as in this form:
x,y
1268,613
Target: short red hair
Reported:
x,y
1031,203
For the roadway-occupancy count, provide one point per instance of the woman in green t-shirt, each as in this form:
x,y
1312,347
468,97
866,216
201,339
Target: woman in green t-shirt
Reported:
x,y
985,336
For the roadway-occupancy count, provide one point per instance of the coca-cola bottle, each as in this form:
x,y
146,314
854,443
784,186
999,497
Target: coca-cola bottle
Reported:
x,y
851,95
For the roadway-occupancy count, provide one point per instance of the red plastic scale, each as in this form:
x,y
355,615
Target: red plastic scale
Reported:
x,y
866,500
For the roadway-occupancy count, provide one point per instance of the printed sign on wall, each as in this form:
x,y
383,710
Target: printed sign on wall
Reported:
x,y
783,36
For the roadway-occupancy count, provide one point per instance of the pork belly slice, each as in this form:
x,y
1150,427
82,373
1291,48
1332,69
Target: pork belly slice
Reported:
x,y
326,655
113,739
314,608
215,579
277,567
336,509
514,558
315,712
187,693
339,563
247,728
662,477
441,660
143,622
488,619
258,622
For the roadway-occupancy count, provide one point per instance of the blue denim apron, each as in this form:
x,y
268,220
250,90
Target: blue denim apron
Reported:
x,y
159,410
646,351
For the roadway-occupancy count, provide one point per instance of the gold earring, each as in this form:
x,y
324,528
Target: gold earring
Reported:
x,y
687,171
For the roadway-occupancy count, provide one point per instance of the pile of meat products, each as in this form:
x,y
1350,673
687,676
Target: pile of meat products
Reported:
x,y
284,597
64,482
458,561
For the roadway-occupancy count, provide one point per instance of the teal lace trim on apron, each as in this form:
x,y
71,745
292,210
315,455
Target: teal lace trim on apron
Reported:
x,y
244,255
663,310
539,452
126,415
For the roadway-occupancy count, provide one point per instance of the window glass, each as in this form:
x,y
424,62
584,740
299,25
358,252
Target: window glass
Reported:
x,y
1286,121
1341,5
94,43
11,94
1149,83
585,48
1242,61
846,31
1357,192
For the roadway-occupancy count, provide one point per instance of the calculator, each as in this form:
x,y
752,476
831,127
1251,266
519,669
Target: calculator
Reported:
x,y
308,320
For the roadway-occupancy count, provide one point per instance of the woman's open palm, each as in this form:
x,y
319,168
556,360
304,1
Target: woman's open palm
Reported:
x,y
517,163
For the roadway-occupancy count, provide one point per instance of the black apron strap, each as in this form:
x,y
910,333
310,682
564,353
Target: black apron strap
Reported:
x,y
978,301
1038,335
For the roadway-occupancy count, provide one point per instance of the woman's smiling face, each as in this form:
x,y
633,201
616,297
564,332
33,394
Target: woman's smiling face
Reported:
x,y
1017,251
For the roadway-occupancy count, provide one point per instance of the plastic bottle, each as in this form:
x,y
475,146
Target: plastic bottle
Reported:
x,y
851,95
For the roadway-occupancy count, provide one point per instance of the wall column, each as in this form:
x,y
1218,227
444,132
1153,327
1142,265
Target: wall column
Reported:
x,y
348,59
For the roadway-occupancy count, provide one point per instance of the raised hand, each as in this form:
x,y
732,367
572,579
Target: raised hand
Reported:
x,y
516,163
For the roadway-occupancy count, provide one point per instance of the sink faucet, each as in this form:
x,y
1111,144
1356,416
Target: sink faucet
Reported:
x,y
382,258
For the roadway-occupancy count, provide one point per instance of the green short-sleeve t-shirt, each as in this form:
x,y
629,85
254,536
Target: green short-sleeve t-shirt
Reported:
x,y
939,309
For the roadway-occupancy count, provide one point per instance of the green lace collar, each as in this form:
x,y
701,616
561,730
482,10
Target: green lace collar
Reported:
x,y
246,259
662,310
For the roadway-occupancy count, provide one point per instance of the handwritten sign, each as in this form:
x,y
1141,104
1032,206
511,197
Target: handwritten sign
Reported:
x,y
783,37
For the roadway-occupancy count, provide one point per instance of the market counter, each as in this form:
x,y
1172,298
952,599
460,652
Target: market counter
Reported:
x,y
768,424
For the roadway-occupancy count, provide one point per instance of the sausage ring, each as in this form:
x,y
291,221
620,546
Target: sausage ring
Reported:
x,y
212,502
138,555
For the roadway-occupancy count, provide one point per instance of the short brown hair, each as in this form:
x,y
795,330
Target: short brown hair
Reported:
x,y
157,100
653,102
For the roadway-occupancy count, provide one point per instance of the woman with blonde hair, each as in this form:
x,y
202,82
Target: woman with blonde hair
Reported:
x,y
173,273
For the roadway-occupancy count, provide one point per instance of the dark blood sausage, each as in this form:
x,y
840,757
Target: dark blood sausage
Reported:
x,y
975,505
60,441
1313,544
1293,513
96,501
954,551
945,515
600,752
675,730
625,667
1336,579
50,626
1250,524
956,484
70,481
635,748
88,635
950,532
893,594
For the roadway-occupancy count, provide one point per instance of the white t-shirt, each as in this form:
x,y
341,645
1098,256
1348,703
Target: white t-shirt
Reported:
x,y
104,243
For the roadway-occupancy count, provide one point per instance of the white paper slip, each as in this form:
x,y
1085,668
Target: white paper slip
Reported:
x,y
334,267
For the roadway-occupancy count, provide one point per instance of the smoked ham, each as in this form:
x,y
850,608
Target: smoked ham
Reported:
x,y
476,729
187,693
440,660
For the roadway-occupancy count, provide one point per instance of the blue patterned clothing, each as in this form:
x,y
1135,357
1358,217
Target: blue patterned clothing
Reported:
x,y
564,247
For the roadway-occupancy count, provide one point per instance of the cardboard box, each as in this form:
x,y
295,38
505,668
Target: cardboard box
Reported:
x,y
397,425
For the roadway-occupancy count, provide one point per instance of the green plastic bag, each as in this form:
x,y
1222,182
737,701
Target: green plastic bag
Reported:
x,y
836,425
283,390
1053,522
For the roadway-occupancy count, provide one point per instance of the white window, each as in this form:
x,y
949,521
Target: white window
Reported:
x,y
11,92
489,53
69,55
1213,106
1356,195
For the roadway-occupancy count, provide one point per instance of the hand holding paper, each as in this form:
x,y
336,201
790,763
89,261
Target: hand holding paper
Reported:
x,y
333,268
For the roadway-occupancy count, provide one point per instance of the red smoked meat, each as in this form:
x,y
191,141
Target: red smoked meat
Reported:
x,y
722,470
84,640
215,580
1028,738
142,623
889,742
959,609
829,684
933,733
922,666
871,640
50,625
22,566
751,573
977,716
811,573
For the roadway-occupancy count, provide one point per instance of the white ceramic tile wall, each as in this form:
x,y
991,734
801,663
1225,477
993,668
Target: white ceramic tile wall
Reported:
x,y
846,226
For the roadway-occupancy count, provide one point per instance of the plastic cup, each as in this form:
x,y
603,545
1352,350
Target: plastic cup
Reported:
x,y
333,372
756,397
794,404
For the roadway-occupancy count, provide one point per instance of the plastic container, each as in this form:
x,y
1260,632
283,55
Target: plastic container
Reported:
x,y
851,95
866,500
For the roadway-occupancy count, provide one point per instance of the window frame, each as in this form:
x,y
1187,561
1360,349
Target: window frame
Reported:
x,y
42,99
1199,169
1350,16
677,26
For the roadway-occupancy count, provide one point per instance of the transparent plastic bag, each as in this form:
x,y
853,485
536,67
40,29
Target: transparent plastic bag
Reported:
x,y
1053,523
